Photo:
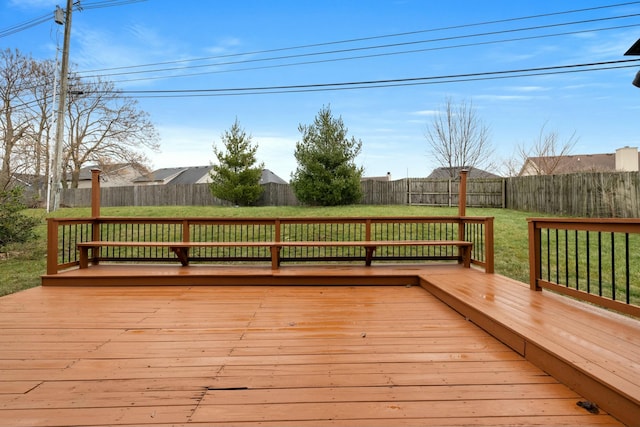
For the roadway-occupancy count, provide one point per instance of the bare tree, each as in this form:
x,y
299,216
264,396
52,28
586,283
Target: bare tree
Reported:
x,y
104,127
548,153
15,119
37,146
458,138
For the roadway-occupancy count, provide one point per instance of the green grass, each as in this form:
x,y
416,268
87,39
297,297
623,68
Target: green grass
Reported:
x,y
22,267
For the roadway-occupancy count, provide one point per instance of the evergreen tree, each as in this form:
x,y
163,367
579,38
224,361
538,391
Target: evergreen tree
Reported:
x,y
326,174
236,177
15,227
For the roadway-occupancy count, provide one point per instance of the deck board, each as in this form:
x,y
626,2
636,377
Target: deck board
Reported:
x,y
263,355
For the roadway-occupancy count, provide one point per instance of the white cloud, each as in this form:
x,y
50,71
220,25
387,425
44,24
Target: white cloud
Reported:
x,y
529,88
224,45
31,4
505,97
426,113
139,44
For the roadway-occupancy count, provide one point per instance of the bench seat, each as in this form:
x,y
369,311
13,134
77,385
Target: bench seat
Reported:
x,y
181,249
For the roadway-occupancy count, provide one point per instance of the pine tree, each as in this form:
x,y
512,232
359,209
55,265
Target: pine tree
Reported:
x,y
236,177
326,174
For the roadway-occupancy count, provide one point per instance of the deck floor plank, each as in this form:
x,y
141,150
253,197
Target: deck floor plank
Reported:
x,y
263,355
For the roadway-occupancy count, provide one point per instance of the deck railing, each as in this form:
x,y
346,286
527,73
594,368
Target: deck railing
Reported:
x,y
64,234
596,260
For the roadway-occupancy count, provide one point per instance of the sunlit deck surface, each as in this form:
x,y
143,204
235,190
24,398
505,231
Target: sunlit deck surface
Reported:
x,y
309,346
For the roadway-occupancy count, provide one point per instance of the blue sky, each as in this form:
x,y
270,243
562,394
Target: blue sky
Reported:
x,y
599,106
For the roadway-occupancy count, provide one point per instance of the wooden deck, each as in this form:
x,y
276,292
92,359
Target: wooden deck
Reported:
x,y
208,352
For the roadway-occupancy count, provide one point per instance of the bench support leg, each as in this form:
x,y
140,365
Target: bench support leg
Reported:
x,y
275,257
466,256
182,254
84,257
369,255
83,261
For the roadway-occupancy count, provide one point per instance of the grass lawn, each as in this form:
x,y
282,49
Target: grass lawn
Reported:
x,y
23,265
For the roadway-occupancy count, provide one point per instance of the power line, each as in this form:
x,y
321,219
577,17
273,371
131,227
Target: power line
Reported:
x,y
360,85
24,26
46,18
369,55
365,48
368,84
454,27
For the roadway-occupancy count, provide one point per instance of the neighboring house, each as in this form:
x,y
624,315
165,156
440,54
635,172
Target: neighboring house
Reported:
x,y
269,177
116,175
193,175
625,159
184,175
454,172
386,177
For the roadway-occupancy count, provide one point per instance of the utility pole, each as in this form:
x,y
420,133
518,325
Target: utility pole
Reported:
x,y
56,184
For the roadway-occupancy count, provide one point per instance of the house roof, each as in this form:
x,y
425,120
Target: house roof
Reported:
x,y
570,164
159,175
474,173
191,175
107,169
269,177
195,174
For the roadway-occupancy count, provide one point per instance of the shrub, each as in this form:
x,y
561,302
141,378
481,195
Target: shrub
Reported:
x,y
15,227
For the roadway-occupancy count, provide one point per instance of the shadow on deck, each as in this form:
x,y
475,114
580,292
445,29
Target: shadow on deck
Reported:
x,y
275,355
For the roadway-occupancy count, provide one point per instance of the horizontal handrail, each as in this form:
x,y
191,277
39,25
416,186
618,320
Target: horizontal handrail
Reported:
x,y
595,260
65,233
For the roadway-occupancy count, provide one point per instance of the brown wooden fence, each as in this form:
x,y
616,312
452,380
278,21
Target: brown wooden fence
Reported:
x,y
420,191
592,195
583,195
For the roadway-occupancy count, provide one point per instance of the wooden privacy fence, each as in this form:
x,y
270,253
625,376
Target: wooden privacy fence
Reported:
x,y
417,191
583,195
591,195
64,235
484,193
593,260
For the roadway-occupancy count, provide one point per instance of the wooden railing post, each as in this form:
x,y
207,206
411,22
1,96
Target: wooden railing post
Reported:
x,y
95,193
535,269
52,246
95,212
488,246
367,229
462,197
186,233
277,230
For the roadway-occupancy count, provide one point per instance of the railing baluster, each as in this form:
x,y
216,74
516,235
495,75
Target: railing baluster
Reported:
x,y
599,263
613,267
588,263
576,260
627,272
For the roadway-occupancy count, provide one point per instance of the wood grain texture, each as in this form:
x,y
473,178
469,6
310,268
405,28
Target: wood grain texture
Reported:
x,y
263,355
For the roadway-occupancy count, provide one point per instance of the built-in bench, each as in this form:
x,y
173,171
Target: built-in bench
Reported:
x,y
590,349
181,249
